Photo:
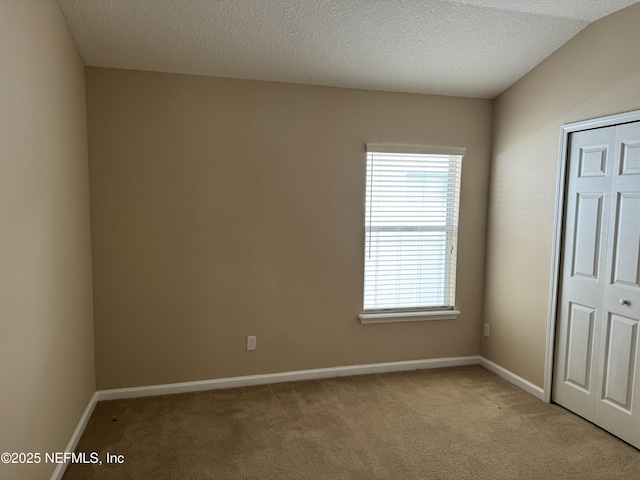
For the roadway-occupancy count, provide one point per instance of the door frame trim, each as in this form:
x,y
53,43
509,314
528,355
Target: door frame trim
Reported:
x,y
558,230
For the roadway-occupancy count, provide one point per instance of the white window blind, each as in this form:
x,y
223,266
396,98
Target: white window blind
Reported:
x,y
411,227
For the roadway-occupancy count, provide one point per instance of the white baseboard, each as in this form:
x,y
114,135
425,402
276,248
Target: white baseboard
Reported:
x,y
511,377
75,438
232,382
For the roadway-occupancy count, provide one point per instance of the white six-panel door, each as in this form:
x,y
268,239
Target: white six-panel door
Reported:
x,y
597,373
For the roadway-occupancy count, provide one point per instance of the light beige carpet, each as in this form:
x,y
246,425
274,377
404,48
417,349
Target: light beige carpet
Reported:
x,y
458,423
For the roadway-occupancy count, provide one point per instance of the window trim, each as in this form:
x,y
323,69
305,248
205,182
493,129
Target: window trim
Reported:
x,y
419,149
418,314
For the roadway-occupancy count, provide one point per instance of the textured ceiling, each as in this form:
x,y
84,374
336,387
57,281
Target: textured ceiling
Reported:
x,y
474,48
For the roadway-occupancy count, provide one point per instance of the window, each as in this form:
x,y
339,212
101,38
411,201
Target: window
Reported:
x,y
411,232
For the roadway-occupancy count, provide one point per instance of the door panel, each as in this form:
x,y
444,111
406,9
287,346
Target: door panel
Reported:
x,y
620,361
630,158
626,247
586,249
579,346
593,161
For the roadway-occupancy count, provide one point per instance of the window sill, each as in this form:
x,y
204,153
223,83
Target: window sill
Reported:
x,y
418,316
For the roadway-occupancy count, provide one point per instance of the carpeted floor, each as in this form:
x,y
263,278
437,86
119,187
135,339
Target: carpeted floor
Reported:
x,y
455,423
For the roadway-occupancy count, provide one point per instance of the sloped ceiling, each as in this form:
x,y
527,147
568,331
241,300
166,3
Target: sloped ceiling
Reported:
x,y
473,48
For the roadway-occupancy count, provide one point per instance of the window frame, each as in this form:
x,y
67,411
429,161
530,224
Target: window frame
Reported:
x,y
418,313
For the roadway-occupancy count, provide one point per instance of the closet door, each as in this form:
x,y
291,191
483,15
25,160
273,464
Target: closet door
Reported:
x,y
583,277
596,365
618,380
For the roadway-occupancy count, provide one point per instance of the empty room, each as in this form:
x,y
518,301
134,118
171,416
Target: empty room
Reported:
x,y
323,239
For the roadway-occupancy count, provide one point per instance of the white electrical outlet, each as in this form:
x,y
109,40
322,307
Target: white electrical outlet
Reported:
x,y
487,330
251,342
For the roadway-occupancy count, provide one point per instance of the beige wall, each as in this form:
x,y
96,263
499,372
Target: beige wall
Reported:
x,y
225,208
595,74
46,327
